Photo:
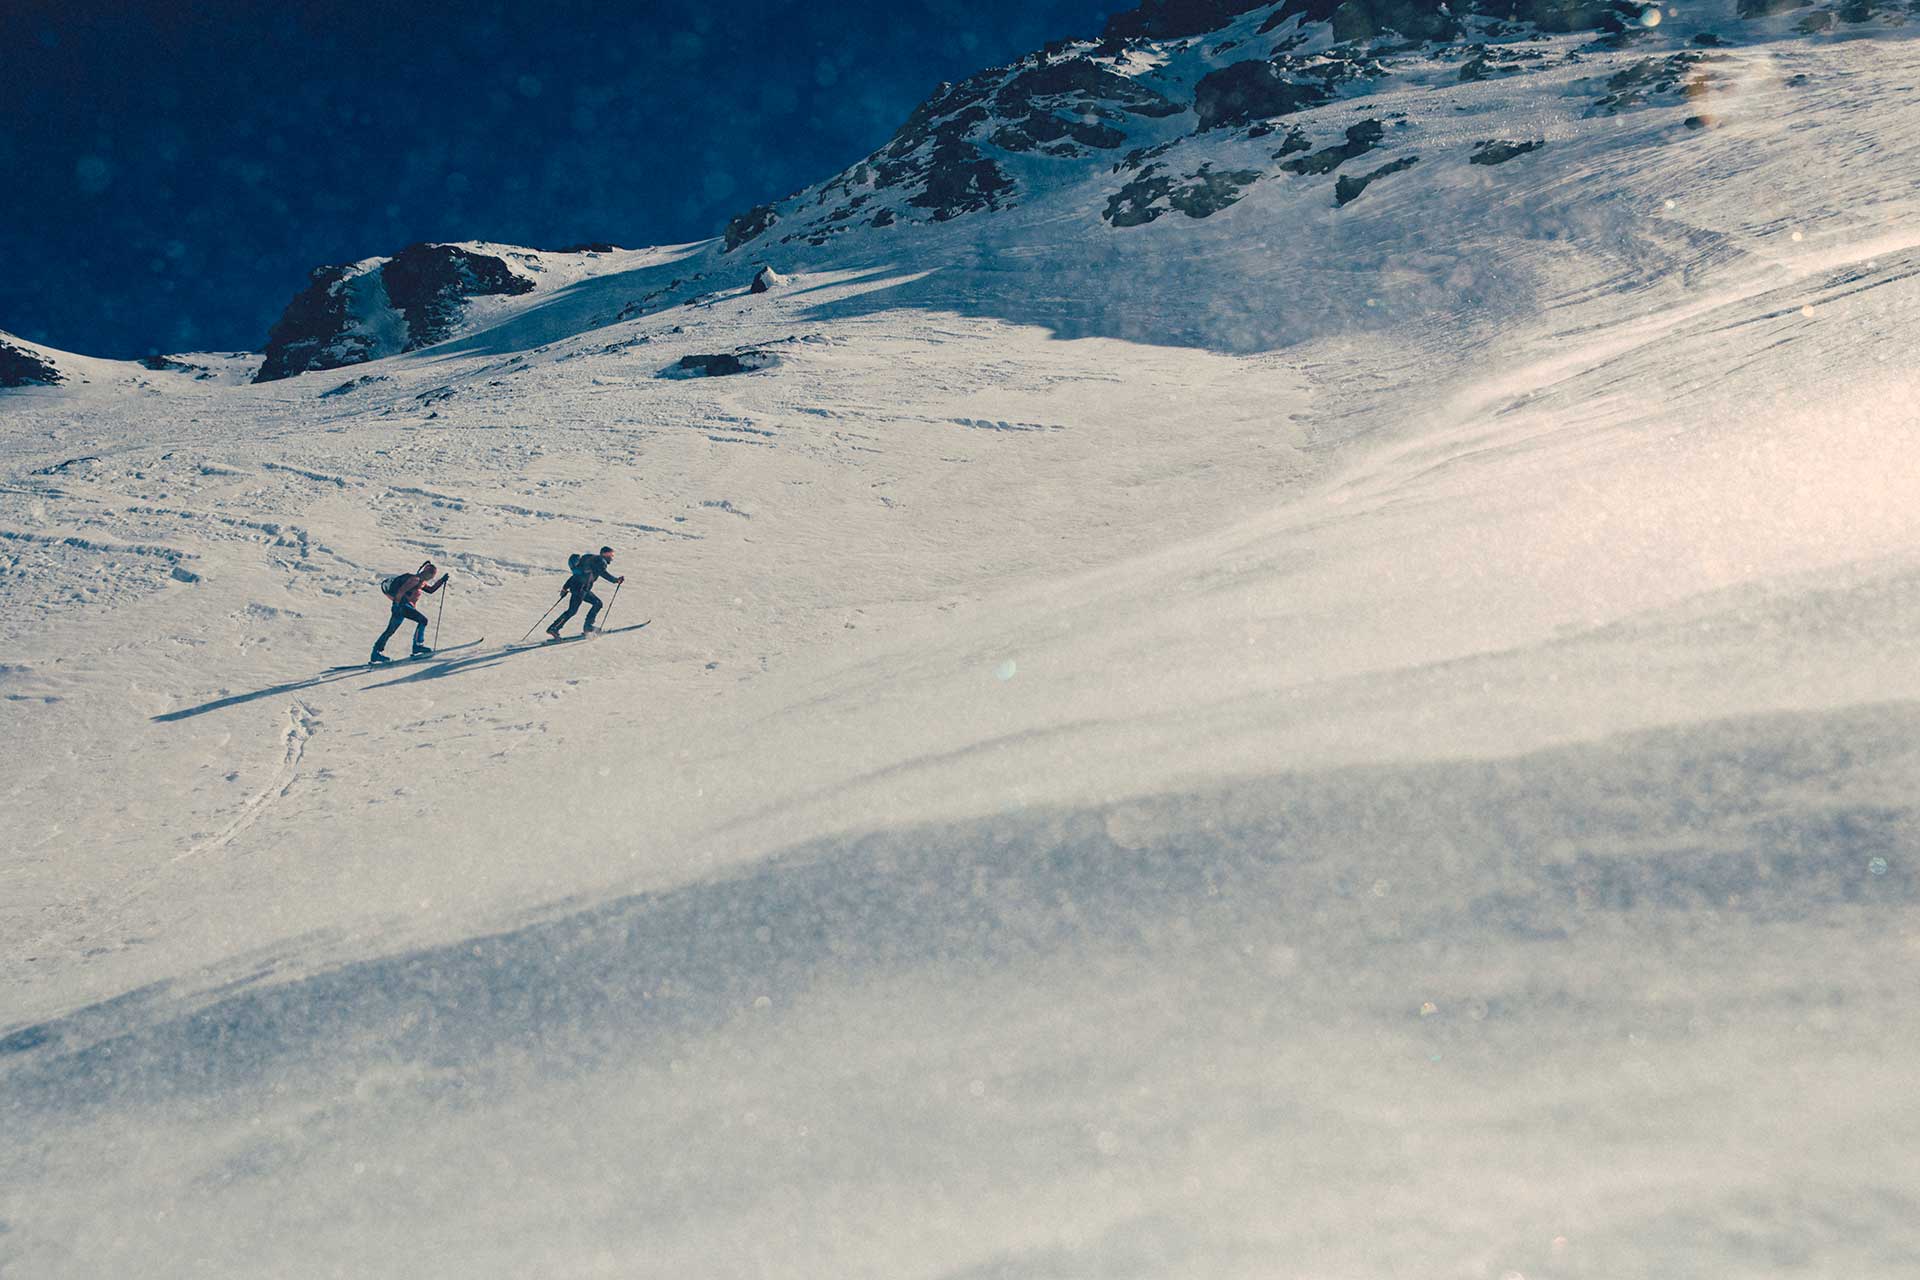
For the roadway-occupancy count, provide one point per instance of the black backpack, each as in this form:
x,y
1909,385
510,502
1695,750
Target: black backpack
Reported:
x,y
390,587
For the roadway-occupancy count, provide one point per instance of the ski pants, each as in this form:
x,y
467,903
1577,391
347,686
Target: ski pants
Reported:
x,y
403,612
577,594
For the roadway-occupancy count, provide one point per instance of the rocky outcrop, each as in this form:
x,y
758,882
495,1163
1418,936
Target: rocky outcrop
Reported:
x,y
1249,91
1499,150
722,365
350,314
1348,188
429,284
20,367
1361,138
1414,19
754,222
942,162
766,279
1200,194
1685,75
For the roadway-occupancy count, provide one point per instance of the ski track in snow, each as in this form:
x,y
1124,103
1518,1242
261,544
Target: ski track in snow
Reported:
x,y
1340,741
301,723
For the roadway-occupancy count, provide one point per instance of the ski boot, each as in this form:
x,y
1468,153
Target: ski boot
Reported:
x,y
378,658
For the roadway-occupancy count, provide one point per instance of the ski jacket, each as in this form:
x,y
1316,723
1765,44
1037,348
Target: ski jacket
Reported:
x,y
588,569
408,589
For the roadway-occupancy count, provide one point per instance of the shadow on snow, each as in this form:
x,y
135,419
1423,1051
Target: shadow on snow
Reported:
x,y
1756,819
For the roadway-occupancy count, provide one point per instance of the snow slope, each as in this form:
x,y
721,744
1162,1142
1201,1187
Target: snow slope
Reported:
x,y
1317,741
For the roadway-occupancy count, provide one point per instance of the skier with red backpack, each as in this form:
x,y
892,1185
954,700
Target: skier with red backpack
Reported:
x,y
404,590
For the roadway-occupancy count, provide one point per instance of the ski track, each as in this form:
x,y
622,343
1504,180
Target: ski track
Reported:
x,y
302,720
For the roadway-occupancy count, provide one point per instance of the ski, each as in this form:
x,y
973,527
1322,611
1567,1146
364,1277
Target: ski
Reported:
x,y
396,662
536,644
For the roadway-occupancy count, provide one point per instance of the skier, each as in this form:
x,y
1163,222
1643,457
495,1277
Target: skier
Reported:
x,y
587,568
404,590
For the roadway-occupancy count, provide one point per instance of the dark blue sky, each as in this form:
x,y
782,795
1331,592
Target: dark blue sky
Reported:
x,y
169,172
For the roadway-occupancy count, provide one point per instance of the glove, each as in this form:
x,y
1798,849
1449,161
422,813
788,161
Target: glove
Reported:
x,y
621,581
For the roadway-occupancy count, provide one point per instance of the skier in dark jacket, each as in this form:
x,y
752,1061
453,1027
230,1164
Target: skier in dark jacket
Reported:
x,y
404,591
587,569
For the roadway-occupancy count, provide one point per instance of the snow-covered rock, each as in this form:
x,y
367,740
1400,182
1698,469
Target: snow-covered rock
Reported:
x,y
21,365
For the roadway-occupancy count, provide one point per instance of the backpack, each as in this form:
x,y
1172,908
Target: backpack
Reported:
x,y
389,587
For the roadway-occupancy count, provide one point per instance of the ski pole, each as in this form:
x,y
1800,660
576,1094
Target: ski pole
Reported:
x,y
446,590
543,617
616,600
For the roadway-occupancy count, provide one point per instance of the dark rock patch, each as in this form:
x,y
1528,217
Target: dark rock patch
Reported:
x,y
1415,19
1678,75
1200,194
749,225
1561,16
1361,138
765,279
22,368
1248,91
336,320
1086,82
429,284
1348,189
1294,141
353,384
1485,62
312,333
1769,8
1045,127
722,365
1499,150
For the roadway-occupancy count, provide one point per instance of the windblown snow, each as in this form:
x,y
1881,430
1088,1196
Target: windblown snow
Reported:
x,y
1362,733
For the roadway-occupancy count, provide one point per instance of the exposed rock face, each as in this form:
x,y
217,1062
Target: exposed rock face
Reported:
x,y
1499,151
1348,189
1361,138
22,368
765,279
746,226
724,364
1248,91
1486,63
941,162
313,333
1414,19
351,314
1684,75
428,283
1198,195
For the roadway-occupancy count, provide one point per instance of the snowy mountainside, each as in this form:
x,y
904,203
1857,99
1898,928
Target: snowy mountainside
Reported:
x,y
420,296
1322,738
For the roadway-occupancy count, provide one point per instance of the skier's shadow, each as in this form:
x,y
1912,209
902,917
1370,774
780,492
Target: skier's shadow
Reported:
x,y
273,691
481,661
